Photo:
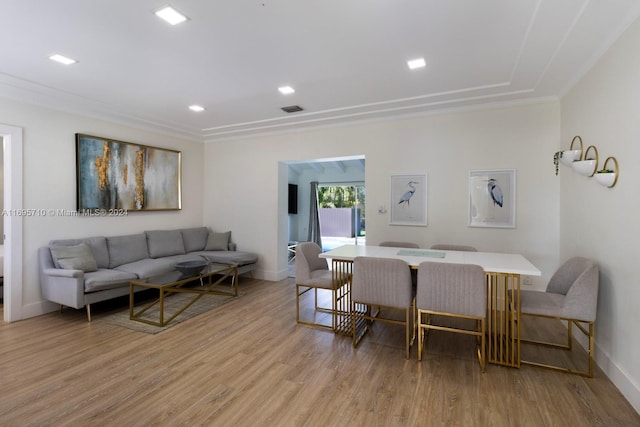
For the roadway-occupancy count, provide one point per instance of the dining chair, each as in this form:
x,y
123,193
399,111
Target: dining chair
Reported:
x,y
454,291
399,244
447,247
386,284
571,296
312,273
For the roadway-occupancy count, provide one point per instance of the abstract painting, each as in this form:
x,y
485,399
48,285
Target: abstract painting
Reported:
x,y
114,174
492,198
409,199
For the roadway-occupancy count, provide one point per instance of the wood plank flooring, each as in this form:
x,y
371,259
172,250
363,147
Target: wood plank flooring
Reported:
x,y
247,363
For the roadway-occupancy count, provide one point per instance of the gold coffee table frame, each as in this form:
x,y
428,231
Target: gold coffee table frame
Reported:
x,y
172,282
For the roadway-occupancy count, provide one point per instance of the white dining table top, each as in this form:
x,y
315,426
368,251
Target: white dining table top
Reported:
x,y
490,261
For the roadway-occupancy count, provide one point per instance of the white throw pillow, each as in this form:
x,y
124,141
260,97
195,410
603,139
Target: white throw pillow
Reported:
x,y
76,257
218,241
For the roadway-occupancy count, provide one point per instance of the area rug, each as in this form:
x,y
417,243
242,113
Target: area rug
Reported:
x,y
172,303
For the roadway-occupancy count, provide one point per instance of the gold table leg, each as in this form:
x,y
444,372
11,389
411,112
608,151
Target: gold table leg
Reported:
x,y
342,310
503,319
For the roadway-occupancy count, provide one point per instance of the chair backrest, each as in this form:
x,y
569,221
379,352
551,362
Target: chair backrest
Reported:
x,y
447,247
399,244
381,281
578,279
307,260
452,288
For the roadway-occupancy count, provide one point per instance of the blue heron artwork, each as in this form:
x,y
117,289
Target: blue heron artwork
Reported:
x,y
406,197
495,192
409,199
492,198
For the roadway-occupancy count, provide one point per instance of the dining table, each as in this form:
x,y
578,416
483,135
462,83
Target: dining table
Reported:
x,y
503,272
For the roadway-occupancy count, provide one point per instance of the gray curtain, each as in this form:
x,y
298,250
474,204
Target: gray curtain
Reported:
x,y
314,217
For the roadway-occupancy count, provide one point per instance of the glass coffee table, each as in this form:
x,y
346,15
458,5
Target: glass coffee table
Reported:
x,y
175,282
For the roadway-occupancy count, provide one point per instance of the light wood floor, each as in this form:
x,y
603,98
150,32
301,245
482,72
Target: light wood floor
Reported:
x,y
247,363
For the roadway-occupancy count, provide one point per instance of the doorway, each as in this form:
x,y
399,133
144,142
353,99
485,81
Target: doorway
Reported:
x,y
341,210
296,227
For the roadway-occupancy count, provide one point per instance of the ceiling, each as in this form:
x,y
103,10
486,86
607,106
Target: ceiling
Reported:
x,y
346,60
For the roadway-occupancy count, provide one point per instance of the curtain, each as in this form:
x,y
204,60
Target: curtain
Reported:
x,y
314,217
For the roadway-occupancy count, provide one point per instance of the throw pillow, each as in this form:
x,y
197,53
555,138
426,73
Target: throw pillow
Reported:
x,y
75,257
163,243
218,241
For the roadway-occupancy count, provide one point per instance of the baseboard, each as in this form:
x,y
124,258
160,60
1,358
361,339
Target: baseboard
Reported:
x,y
38,308
619,377
272,276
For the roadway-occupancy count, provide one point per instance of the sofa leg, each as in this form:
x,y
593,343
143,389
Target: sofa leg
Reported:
x,y
61,306
89,312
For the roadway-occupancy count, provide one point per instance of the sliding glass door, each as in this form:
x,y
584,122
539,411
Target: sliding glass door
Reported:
x,y
342,214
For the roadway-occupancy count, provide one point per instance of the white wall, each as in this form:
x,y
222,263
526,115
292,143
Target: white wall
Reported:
x,y
243,192
602,223
49,182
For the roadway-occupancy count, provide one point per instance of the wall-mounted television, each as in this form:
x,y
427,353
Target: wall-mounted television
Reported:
x,y
293,199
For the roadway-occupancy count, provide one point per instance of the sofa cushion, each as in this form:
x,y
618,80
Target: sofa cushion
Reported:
x,y
195,238
74,257
126,249
185,257
229,257
163,243
97,244
103,279
218,241
148,267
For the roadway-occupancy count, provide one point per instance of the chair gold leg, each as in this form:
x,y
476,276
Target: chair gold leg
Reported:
x,y
89,312
354,330
407,319
297,304
591,349
420,335
569,335
483,347
588,332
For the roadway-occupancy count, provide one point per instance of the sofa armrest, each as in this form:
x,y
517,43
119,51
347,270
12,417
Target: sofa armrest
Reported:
x,y
59,285
62,272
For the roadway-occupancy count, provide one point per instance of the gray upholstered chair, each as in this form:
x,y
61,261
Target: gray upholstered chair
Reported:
x,y
572,296
452,290
312,273
447,247
383,283
399,244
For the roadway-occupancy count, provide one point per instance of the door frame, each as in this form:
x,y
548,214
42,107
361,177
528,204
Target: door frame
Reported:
x,y
12,299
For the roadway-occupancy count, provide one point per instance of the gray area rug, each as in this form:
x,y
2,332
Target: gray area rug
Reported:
x,y
173,303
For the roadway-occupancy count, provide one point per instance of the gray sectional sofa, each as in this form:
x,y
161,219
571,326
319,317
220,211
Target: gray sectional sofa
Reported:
x,y
79,272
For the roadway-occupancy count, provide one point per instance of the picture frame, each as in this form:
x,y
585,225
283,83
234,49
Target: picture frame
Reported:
x,y
492,198
113,174
408,199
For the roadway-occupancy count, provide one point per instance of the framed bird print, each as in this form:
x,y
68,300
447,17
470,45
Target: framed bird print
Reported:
x,y
492,198
409,199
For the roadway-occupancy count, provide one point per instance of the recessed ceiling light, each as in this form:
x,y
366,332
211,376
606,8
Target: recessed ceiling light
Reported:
x,y
62,59
286,90
196,108
171,15
416,63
